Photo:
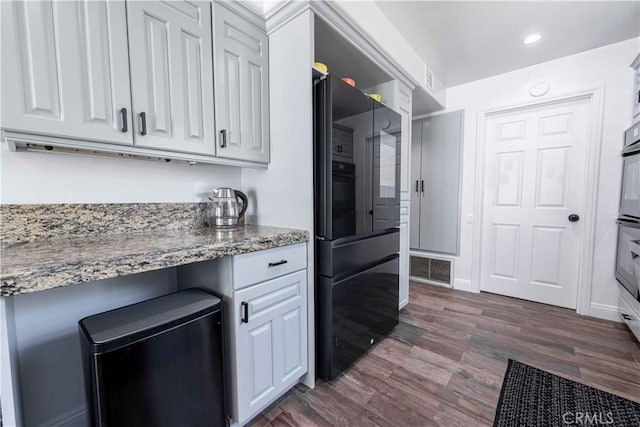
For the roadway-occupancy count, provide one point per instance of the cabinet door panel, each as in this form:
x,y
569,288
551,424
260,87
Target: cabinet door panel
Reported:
x,y
241,86
66,69
416,184
229,103
35,23
172,75
440,202
292,361
261,347
272,345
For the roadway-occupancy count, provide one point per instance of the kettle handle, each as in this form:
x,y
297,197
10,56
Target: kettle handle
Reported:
x,y
245,202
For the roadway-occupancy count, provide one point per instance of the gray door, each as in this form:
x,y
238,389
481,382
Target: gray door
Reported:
x,y
416,178
440,203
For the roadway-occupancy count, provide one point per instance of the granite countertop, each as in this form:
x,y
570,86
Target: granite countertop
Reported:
x,y
45,264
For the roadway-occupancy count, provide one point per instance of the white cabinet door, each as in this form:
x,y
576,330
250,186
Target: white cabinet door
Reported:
x,y
271,340
65,69
172,75
241,85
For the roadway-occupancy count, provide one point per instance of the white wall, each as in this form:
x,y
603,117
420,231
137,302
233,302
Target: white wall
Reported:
x,y
608,67
34,177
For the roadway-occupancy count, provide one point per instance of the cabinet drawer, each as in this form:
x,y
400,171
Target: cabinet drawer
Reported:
x,y
259,266
629,316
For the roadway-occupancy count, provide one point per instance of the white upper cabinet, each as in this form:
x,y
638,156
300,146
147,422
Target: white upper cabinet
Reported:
x,y
171,75
241,87
65,69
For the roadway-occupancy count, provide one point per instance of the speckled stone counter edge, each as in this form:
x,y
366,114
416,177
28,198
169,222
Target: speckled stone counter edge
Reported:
x,y
73,274
27,223
20,224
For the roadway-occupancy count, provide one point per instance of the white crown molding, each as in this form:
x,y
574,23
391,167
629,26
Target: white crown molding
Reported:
x,y
249,13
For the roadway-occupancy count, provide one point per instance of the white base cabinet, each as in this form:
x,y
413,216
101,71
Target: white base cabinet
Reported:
x,y
629,311
271,349
265,323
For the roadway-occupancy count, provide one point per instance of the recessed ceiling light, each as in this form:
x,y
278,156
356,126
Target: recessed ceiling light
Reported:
x,y
532,38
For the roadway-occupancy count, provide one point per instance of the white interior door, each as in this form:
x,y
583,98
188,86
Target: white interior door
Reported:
x,y
534,180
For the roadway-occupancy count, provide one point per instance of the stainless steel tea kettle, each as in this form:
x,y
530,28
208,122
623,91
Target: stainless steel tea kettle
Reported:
x,y
224,209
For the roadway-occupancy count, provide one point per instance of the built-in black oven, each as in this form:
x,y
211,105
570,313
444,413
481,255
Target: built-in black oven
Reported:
x,y
628,255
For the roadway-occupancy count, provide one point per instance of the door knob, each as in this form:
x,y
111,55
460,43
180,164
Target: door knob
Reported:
x,y
574,218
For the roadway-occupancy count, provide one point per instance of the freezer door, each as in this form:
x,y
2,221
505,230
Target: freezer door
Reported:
x,y
355,313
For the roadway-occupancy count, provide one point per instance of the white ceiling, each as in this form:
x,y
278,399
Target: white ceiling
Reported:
x,y
464,41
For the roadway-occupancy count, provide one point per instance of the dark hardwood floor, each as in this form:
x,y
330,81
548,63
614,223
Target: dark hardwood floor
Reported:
x,y
445,361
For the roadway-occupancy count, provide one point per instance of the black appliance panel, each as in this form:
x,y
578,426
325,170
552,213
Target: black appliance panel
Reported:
x,y
170,374
628,256
373,180
355,313
346,255
335,102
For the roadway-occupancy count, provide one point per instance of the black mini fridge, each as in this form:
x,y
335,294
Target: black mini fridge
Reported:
x,y
156,363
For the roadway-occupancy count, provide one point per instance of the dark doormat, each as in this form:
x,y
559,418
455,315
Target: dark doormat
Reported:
x,y
535,398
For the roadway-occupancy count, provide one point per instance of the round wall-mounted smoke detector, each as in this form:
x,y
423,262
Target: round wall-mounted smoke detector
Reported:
x,y
539,89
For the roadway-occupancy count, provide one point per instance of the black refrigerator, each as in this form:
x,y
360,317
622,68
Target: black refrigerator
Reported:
x,y
357,217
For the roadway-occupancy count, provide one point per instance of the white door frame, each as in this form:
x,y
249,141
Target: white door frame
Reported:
x,y
596,99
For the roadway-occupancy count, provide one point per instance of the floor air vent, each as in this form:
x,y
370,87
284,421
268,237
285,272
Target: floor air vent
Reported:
x,y
435,270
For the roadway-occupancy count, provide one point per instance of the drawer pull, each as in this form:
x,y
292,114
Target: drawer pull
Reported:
x,y
275,264
626,316
244,306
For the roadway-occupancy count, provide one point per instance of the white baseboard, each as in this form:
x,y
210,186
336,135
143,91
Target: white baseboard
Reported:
x,y
604,311
77,417
462,285
428,282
